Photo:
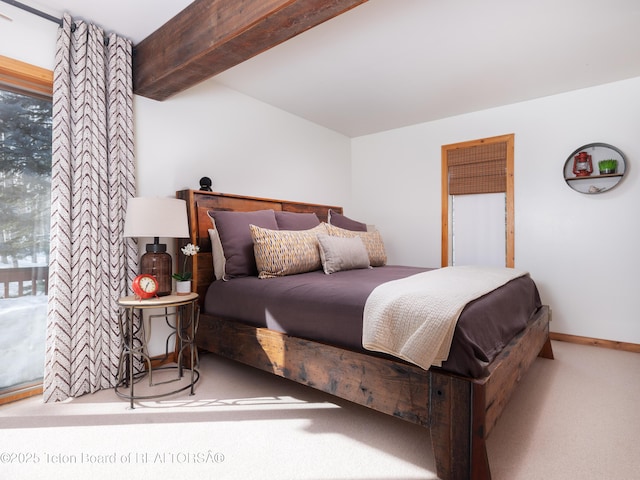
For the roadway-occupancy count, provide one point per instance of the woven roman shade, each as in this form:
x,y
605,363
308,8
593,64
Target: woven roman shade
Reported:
x,y
478,169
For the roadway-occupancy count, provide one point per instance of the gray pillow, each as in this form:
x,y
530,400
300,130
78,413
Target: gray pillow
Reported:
x,y
342,253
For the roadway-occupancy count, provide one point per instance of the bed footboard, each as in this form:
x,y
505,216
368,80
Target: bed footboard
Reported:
x,y
390,387
459,411
464,411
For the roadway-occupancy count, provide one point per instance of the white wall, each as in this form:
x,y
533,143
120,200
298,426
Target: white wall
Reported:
x,y
245,146
582,250
28,38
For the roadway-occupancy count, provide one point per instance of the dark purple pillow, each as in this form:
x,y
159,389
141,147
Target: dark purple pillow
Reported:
x,y
296,221
338,220
235,236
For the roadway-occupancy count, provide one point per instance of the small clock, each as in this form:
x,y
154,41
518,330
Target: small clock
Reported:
x,y
145,286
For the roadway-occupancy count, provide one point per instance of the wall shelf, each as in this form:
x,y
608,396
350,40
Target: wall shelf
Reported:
x,y
594,182
610,175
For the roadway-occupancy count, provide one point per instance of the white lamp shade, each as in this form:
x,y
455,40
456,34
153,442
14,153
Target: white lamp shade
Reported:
x,y
156,217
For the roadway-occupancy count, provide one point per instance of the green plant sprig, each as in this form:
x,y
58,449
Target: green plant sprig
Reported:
x,y
609,164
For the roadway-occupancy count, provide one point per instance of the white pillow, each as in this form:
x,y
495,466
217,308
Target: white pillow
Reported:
x,y
217,253
342,253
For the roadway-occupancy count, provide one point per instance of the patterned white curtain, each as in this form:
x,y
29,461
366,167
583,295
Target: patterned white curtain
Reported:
x,y
93,176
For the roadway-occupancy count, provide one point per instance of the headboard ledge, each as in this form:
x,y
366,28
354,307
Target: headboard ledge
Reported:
x,y
200,202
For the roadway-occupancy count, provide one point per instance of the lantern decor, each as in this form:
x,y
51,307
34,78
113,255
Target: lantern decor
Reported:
x,y
582,166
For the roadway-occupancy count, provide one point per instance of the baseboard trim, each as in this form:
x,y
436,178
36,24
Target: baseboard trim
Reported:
x,y
596,342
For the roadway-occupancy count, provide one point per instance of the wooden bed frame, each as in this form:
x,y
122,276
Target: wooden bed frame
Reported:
x,y
459,411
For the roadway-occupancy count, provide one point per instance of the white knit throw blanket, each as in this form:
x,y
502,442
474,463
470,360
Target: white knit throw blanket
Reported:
x,y
414,318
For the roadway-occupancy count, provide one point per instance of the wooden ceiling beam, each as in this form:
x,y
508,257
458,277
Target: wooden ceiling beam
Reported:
x,y
210,36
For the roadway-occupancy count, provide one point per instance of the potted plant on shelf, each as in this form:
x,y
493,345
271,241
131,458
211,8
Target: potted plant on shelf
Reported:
x,y
607,167
183,280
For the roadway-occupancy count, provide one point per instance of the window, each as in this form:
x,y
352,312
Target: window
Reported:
x,y
477,202
25,192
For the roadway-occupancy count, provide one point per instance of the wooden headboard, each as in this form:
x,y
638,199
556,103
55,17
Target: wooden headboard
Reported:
x,y
199,203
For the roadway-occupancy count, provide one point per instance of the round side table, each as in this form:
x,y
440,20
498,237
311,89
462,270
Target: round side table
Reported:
x,y
135,362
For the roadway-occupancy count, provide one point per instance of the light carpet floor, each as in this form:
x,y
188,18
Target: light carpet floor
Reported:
x,y
575,417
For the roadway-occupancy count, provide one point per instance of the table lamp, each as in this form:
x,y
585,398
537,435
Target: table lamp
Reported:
x,y
157,217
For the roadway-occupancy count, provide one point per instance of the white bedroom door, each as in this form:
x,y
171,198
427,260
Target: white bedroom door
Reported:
x,y
477,202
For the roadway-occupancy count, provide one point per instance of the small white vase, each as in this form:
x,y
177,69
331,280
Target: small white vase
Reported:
x,y
183,288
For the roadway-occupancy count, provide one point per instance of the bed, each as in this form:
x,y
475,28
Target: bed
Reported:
x,y
459,401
